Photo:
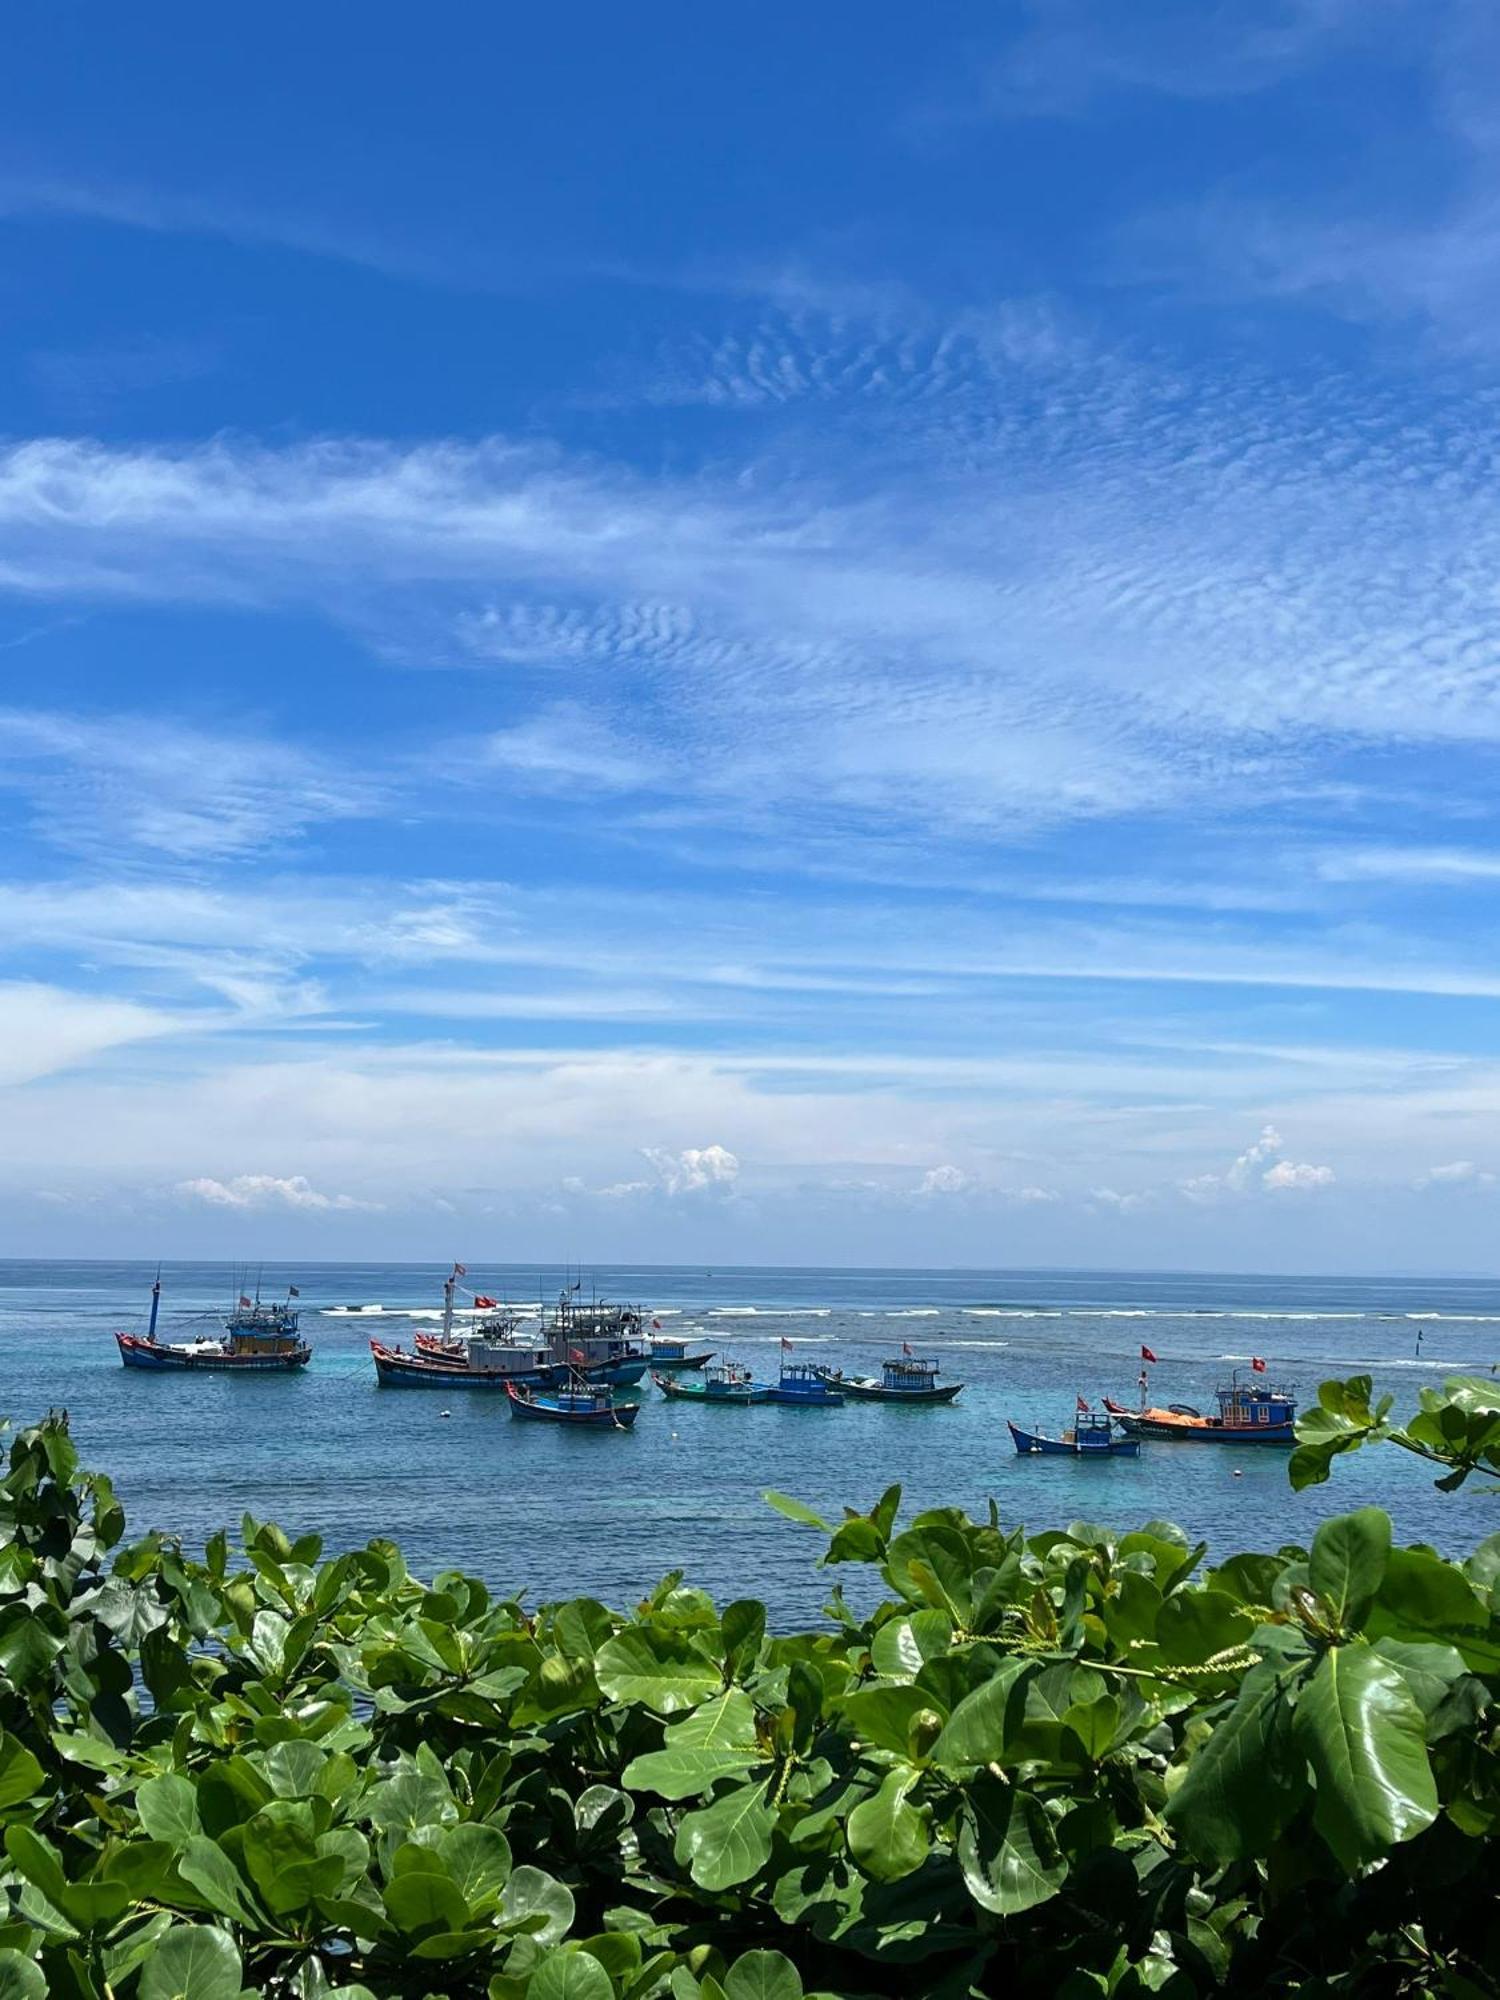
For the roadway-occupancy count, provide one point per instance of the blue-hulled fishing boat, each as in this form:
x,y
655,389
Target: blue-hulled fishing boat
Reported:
x,y
1092,1436
804,1387
258,1338
906,1379
722,1383
1249,1413
585,1405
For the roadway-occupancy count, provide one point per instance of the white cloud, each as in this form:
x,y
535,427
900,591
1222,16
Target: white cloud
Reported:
x,y
1036,1194
45,1029
1266,1147
944,1180
694,1169
1287,1175
1456,1173
261,1191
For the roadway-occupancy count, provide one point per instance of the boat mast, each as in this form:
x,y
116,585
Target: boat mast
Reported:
x,y
448,1285
155,1305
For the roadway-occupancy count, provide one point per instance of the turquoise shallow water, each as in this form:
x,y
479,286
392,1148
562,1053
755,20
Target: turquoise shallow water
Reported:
x,y
557,1513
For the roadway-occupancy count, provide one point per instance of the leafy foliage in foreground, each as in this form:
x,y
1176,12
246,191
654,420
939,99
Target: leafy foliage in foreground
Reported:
x,y
1058,1764
1456,1428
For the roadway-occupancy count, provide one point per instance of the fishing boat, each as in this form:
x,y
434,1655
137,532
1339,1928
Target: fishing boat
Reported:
x,y
488,1357
723,1382
805,1387
671,1353
592,1406
258,1338
903,1380
1092,1436
1249,1413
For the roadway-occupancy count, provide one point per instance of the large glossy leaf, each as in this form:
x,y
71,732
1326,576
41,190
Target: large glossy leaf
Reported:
x,y
537,1903
193,1962
168,1807
20,1773
980,1727
763,1975
882,1716
686,1771
887,1835
931,1565
1006,1848
1347,1563
728,1841
902,1646
570,1975
1361,1730
478,1859
21,1978
725,1723
1240,1788
662,1670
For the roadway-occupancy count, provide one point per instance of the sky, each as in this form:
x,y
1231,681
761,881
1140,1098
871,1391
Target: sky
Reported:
x,y
812,635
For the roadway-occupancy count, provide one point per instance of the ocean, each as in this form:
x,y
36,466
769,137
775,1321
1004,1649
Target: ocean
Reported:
x,y
550,1513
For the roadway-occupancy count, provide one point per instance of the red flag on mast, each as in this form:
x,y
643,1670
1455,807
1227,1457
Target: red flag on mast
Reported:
x,y
906,1347
1257,1364
786,1344
1147,1355
1082,1404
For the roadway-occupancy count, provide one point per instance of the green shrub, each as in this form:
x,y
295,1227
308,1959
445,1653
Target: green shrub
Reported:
x,y
1059,1764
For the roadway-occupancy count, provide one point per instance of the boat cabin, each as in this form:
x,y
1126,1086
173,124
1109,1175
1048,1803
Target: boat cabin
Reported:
x,y
908,1374
1255,1406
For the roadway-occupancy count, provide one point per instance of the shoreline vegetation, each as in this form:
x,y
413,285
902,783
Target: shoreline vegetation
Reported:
x,y
1068,1762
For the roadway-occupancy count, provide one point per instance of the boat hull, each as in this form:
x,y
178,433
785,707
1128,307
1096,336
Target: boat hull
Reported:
x,y
1205,1430
683,1359
1033,1444
741,1396
538,1410
876,1392
160,1357
428,1370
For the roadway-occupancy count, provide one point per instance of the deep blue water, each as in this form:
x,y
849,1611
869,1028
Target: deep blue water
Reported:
x,y
556,1513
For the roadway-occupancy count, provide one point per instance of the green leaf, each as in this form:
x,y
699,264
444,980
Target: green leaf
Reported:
x,y
192,1962
903,1646
1006,1848
795,1511
1348,1562
763,1975
570,1975
725,1723
1360,1728
686,1772
660,1669
1237,1793
21,1978
980,1726
538,1903
20,1773
478,1859
425,1900
887,1835
209,1870
728,1841
882,1716
168,1809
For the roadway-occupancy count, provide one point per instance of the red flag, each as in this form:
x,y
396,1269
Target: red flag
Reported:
x,y
656,1325
1257,1364
292,1292
244,1302
460,1270
481,1301
906,1347
1147,1355
1082,1404
786,1343
577,1354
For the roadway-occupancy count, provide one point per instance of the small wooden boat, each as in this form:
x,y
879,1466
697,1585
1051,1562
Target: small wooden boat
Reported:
x,y
904,1380
1249,1413
583,1404
1092,1436
805,1387
723,1383
257,1339
677,1354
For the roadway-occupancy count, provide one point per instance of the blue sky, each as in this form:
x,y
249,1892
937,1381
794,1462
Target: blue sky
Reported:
x,y
808,636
